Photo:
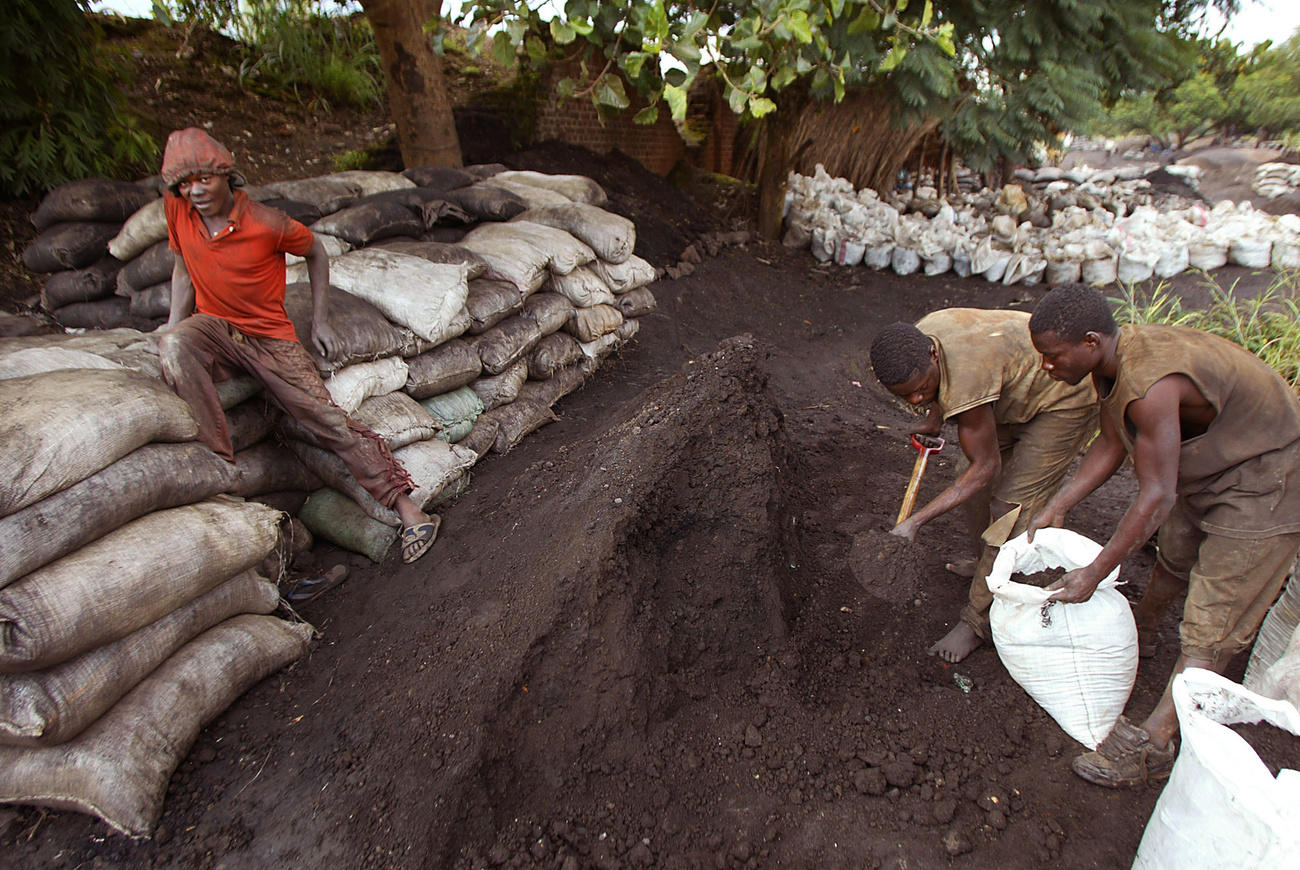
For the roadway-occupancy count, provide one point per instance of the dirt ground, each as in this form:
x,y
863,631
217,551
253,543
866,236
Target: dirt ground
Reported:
x,y
645,637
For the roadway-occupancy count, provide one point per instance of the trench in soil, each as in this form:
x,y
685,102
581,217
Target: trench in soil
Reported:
x,y
698,591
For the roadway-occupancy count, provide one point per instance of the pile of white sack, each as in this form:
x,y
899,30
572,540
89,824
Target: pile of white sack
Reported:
x,y
1275,179
132,610
1107,228
449,351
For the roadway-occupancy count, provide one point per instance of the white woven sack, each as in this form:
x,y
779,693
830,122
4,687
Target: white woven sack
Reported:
x,y
997,268
1275,633
1078,661
1282,679
146,227
1286,255
582,287
824,242
1100,271
1135,266
37,360
1171,260
352,385
1207,255
905,262
564,252
510,255
333,245
611,236
410,291
1063,272
373,181
937,263
61,427
434,465
532,195
578,188
850,251
1221,806
624,277
1251,253
878,256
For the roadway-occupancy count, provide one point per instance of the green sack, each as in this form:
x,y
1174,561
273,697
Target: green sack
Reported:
x,y
331,515
456,410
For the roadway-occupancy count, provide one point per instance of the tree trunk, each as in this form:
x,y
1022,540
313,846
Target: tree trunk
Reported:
x,y
773,167
418,99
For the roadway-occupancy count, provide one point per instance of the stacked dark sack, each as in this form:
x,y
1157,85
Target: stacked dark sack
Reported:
x,y
132,609
467,303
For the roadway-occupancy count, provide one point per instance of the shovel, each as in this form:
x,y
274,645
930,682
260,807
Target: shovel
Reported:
x,y
925,445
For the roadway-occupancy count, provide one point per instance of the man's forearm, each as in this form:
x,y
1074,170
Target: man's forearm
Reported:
x,y
182,301
318,273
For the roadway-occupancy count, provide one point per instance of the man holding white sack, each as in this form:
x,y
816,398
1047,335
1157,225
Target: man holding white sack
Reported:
x,y
227,316
1214,437
1018,429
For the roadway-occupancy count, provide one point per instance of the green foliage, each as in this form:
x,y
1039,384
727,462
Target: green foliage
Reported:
x,y
1269,90
1268,325
356,158
1001,77
61,118
294,45
187,15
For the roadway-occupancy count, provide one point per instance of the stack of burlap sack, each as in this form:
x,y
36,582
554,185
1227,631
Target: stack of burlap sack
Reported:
x,y
132,610
468,302
1276,179
1104,229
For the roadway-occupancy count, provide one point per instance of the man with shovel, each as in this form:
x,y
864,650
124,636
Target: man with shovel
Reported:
x,y
227,316
1019,431
1214,437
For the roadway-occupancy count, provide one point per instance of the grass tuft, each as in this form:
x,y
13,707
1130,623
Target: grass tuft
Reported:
x,y
1268,325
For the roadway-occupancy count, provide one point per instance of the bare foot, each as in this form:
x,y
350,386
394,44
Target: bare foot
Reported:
x,y
956,644
962,568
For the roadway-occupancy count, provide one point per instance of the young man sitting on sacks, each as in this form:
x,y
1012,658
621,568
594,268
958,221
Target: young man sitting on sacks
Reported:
x,y
227,316
1019,431
1214,436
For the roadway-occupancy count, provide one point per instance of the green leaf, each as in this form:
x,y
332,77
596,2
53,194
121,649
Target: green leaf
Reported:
x,y
695,24
747,44
562,32
893,59
647,116
536,49
867,21
676,77
945,43
632,63
837,8
783,77
676,99
581,26
928,14
799,26
610,92
760,106
503,48
654,27
901,6
736,99
565,87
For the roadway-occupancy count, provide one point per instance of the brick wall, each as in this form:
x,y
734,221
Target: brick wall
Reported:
x,y
656,146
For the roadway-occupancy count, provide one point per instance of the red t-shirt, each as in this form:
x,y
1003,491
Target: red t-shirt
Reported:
x,y
238,274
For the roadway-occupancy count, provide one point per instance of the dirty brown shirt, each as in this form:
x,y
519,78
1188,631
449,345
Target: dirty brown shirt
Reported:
x,y
1241,477
987,357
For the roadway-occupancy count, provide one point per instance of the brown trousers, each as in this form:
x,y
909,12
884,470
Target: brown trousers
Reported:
x,y
203,349
1035,459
